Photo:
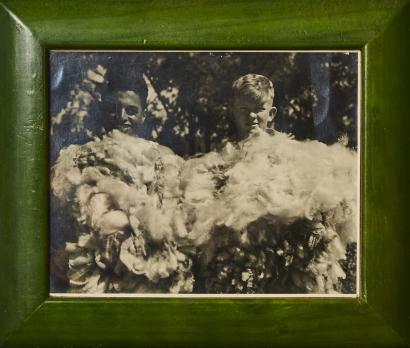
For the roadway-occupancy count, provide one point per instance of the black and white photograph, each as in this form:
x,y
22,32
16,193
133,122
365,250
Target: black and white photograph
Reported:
x,y
199,173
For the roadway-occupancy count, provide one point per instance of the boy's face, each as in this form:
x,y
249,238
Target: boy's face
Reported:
x,y
125,112
250,116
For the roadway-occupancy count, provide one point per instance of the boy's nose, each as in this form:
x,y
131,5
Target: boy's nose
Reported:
x,y
122,114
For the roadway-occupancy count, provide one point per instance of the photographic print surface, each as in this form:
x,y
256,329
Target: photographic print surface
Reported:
x,y
204,173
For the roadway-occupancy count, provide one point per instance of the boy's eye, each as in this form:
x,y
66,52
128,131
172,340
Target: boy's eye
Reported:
x,y
132,110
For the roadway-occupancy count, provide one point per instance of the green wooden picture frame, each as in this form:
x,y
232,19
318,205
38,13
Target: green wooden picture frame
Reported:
x,y
30,318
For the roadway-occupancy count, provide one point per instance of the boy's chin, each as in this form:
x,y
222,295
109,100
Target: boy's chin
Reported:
x,y
126,130
253,132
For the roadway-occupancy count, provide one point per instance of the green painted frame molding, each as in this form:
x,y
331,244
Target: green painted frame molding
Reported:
x,y
29,28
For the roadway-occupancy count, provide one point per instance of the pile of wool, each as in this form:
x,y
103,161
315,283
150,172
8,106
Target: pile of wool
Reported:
x,y
123,194
272,215
265,215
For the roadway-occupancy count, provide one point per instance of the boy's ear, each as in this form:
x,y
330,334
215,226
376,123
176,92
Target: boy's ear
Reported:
x,y
272,113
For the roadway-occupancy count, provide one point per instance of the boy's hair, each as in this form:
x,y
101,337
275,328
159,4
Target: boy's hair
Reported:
x,y
253,87
125,78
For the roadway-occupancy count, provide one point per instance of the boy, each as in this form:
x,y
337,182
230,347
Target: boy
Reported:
x,y
112,98
123,100
252,108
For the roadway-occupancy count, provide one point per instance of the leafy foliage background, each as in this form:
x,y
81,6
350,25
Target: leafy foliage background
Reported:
x,y
188,104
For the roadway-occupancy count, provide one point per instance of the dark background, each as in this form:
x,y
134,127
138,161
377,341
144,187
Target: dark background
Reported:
x,y
316,95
